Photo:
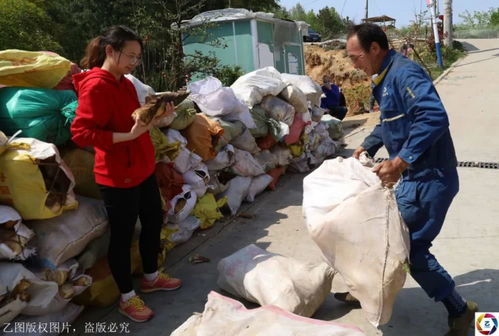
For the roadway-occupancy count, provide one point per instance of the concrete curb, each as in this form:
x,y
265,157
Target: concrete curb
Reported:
x,y
446,72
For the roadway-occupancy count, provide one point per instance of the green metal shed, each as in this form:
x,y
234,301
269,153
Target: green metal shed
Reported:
x,y
254,40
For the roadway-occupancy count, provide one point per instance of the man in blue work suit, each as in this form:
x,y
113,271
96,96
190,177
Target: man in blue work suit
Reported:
x,y
414,128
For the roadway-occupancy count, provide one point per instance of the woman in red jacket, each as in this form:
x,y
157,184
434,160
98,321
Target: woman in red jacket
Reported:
x,y
124,161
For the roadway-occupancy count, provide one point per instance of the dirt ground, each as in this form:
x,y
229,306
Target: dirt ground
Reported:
x,y
355,84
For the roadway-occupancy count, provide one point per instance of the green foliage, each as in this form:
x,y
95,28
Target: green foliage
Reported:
x,y
479,19
330,22
228,74
494,18
24,25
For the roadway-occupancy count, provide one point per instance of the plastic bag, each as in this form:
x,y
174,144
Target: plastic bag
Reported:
x,y
185,230
185,114
282,154
295,130
335,128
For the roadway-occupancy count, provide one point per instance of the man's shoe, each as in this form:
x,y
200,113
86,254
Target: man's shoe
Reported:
x,y
162,283
460,325
135,309
347,298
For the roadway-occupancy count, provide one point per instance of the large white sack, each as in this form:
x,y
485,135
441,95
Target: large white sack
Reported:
x,y
278,109
295,97
64,237
272,279
215,100
236,192
258,184
245,164
142,89
253,86
228,317
307,85
41,292
356,224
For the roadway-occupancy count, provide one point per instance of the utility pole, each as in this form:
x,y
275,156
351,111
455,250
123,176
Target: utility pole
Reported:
x,y
367,9
430,4
448,31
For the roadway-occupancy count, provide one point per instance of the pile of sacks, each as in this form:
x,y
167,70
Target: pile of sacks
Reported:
x,y
222,147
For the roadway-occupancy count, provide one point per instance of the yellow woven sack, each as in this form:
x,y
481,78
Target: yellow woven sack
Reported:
x,y
207,210
32,68
22,184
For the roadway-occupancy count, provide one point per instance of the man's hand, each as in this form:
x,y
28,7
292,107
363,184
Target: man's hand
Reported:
x,y
358,151
390,171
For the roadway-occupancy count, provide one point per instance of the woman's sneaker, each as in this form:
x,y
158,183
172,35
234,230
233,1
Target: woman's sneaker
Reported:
x,y
162,283
135,309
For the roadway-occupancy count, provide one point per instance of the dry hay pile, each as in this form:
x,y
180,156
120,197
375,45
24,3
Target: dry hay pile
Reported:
x,y
355,84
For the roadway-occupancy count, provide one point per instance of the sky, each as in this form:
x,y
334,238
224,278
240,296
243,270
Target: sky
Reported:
x,y
402,10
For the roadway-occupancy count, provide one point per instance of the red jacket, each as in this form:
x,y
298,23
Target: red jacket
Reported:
x,y
105,106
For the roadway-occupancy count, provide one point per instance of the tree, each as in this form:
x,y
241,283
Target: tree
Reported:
x,y
24,25
494,18
330,22
298,13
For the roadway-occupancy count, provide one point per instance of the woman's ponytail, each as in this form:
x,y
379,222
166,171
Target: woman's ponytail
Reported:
x,y
95,54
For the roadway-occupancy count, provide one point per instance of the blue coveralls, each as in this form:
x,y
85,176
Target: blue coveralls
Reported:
x,y
414,126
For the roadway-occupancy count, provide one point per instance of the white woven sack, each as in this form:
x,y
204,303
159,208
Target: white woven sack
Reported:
x,y
356,224
41,292
236,192
253,86
295,97
272,279
307,85
61,238
225,316
258,184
